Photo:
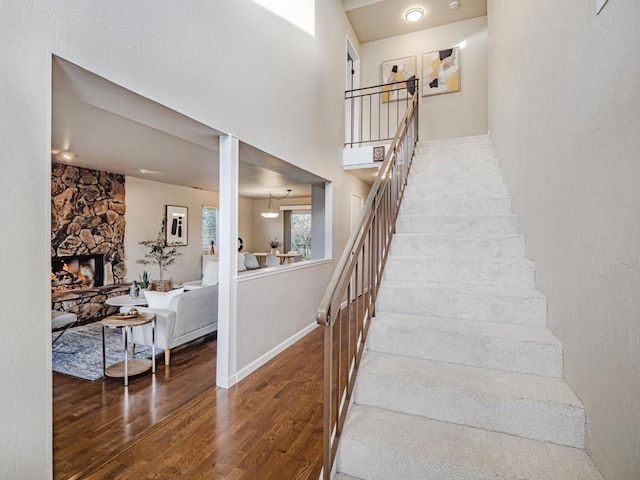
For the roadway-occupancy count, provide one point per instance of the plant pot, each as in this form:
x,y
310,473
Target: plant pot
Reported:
x,y
160,285
274,251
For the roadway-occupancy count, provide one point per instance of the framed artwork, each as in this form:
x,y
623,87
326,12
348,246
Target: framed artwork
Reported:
x,y
399,70
177,226
441,72
378,153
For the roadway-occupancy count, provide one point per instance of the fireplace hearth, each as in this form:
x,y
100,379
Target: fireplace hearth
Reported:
x,y
76,272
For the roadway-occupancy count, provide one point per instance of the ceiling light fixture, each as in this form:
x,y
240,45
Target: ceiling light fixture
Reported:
x,y
414,14
271,212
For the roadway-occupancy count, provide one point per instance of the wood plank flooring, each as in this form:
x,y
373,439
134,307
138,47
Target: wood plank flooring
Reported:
x,y
181,426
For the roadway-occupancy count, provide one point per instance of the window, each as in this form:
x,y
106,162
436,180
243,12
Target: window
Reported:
x,y
301,234
209,227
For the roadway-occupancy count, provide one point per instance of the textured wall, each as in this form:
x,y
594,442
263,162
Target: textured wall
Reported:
x,y
564,116
88,216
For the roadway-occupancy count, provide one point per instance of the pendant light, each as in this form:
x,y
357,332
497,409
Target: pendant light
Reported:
x,y
271,212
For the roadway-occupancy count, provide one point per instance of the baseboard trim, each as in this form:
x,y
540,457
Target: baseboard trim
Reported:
x,y
260,361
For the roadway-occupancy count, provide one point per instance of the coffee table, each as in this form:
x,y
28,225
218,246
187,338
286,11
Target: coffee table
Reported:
x,y
129,366
127,301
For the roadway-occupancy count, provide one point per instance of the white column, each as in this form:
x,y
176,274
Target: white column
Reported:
x,y
228,237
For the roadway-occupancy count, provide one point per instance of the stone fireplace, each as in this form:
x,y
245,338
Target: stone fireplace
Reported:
x,y
87,239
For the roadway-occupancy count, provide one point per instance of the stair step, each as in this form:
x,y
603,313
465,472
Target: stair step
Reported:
x,y
496,272
381,444
437,181
457,206
469,139
511,348
464,190
516,306
540,408
483,224
460,162
494,246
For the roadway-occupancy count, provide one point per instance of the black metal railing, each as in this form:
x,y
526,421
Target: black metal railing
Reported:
x,y
373,114
349,300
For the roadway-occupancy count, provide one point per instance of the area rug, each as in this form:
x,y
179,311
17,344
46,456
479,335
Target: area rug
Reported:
x,y
79,351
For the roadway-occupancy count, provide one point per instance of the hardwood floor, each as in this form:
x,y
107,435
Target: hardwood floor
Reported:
x,y
181,426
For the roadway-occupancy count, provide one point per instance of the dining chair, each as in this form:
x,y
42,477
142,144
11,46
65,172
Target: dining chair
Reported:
x,y
272,260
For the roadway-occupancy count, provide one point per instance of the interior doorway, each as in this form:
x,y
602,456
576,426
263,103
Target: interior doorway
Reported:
x,y
352,105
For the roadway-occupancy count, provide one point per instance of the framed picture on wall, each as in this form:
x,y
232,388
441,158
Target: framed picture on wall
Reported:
x,y
441,72
378,153
177,226
399,70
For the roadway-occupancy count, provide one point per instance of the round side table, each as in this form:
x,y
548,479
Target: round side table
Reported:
x,y
129,366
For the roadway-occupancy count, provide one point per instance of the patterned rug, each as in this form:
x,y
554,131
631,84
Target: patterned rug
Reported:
x,y
79,351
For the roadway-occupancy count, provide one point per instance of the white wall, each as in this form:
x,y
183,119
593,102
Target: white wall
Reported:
x,y
275,308
564,116
211,61
449,115
146,202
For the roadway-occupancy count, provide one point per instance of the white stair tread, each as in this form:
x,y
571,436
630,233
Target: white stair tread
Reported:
x,y
521,306
531,406
463,377
460,244
381,444
497,224
512,348
468,289
406,322
469,271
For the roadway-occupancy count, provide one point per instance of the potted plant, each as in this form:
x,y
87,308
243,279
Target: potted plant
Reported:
x,y
159,254
144,280
274,243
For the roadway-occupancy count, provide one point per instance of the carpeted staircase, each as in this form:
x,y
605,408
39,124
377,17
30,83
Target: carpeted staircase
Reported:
x,y
461,378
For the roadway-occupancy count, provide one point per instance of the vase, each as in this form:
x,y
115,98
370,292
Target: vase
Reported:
x,y
273,250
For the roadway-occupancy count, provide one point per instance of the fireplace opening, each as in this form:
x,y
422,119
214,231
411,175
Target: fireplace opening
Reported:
x,y
77,271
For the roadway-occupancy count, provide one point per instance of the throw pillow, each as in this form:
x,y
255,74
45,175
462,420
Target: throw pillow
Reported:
x,y
161,300
210,274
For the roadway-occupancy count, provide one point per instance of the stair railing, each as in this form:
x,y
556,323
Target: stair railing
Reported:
x,y
348,304
375,113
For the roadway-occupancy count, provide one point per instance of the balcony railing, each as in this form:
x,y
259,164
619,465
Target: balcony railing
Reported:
x,y
373,114
349,301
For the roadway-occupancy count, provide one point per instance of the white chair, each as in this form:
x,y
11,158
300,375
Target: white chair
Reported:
x,y
250,261
272,260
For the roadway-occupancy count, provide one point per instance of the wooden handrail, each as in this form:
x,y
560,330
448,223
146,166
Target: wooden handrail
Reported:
x,y
348,303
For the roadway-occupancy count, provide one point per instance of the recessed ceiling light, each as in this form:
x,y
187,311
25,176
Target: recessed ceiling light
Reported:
x,y
144,171
65,156
414,14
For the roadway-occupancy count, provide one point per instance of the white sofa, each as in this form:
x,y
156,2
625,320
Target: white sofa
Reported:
x,y
190,315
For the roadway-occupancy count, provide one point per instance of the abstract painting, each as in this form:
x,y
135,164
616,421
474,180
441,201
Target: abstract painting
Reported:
x,y
176,228
441,72
400,70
